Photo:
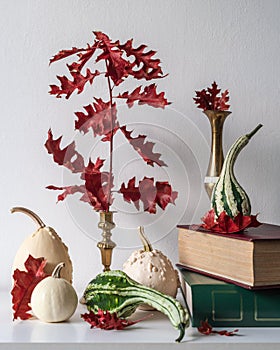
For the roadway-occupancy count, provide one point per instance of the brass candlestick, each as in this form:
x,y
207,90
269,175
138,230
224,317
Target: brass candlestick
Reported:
x,y
216,160
106,246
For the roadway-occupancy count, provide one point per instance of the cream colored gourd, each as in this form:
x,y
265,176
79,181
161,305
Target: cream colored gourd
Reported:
x,y
152,268
46,243
54,299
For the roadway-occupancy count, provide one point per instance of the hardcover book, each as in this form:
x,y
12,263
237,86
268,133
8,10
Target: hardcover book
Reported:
x,y
250,259
225,304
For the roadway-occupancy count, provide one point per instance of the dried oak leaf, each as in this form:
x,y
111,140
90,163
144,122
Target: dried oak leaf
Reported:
x,y
116,65
210,100
67,156
225,224
95,191
148,96
24,283
98,186
145,149
100,116
67,190
64,53
150,194
206,329
108,321
213,96
67,87
144,65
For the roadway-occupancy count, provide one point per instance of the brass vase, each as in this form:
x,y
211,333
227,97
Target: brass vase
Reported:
x,y
106,245
216,160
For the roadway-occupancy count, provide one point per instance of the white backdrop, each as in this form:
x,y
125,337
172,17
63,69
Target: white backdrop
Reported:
x,y
236,43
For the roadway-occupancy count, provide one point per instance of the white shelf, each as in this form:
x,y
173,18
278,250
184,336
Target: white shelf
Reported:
x,y
156,333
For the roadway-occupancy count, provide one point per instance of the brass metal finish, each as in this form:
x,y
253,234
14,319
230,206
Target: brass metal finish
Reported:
x,y
216,160
106,246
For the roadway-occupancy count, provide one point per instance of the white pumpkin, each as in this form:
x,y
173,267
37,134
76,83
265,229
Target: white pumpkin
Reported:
x,y
46,243
54,299
152,268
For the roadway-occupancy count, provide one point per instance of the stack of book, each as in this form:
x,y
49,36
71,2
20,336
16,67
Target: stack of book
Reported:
x,y
231,279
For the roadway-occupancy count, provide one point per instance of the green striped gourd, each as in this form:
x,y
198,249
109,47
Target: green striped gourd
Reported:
x,y
114,291
227,194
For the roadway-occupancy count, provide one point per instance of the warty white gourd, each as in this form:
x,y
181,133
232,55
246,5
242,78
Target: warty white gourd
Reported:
x,y
46,243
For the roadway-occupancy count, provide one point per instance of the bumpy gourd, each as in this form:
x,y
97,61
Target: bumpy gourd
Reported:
x,y
46,243
152,268
114,291
227,194
54,299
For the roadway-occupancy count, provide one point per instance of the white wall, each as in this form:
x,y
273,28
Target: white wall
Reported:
x,y
236,43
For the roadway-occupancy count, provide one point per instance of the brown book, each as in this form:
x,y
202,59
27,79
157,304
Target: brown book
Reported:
x,y
250,259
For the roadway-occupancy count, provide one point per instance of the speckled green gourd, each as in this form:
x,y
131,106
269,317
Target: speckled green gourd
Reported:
x,y
227,194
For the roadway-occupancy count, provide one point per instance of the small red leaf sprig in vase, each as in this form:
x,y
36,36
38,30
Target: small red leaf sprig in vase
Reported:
x,y
121,62
209,99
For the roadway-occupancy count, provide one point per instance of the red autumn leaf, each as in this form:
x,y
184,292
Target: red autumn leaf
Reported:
x,y
108,321
165,195
149,96
150,194
24,283
64,53
67,156
116,64
145,149
225,224
224,100
209,220
67,190
100,116
148,67
206,329
213,96
67,87
98,186
84,56
95,191
131,193
210,100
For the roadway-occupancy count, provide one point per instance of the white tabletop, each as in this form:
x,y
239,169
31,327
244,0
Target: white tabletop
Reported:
x,y
155,332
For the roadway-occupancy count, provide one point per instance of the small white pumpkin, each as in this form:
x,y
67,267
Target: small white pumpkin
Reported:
x,y
152,268
46,243
54,299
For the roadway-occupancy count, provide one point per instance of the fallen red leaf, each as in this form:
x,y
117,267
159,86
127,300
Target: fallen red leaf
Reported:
x,y
225,224
206,329
24,283
108,321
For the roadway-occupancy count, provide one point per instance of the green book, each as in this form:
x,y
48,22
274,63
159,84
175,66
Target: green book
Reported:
x,y
225,304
